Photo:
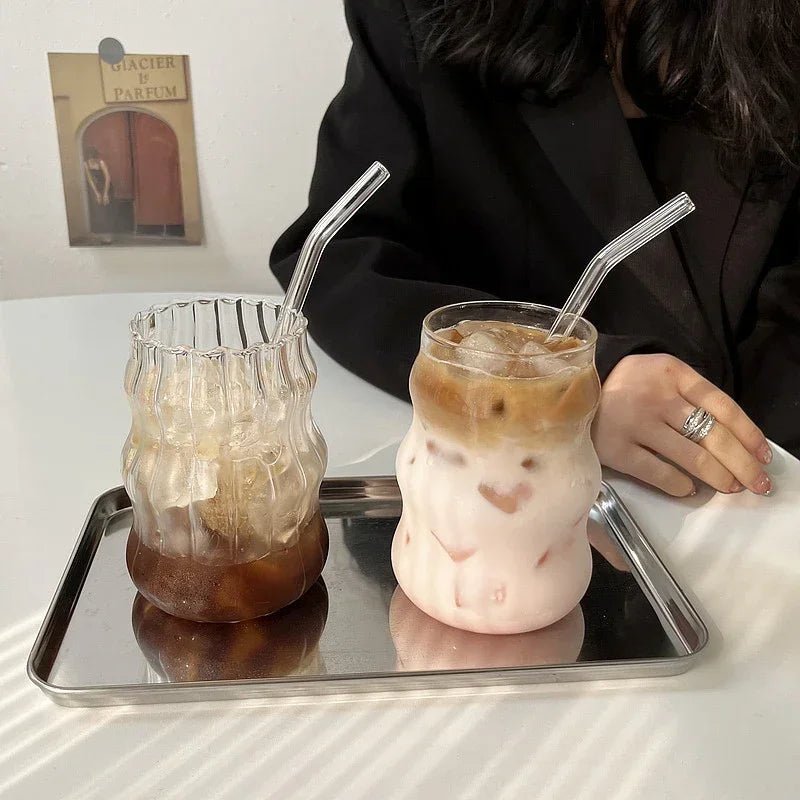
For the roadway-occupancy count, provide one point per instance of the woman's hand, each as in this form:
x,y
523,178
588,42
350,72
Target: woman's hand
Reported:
x,y
105,200
639,429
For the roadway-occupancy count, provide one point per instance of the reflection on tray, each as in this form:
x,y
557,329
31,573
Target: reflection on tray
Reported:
x,y
282,644
422,643
606,546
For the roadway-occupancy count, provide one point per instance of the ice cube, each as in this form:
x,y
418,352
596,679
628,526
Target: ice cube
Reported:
x,y
549,365
513,336
487,342
450,335
497,330
480,350
178,477
468,326
542,361
532,348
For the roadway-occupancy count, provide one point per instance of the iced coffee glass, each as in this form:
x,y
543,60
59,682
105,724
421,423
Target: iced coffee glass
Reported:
x,y
498,471
223,463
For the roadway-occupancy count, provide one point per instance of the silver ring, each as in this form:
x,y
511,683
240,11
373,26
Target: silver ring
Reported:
x,y
698,424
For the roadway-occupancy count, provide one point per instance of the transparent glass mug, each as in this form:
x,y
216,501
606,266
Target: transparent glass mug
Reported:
x,y
223,463
498,472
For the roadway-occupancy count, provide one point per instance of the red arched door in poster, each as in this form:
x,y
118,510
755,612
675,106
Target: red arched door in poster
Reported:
x,y
140,155
157,175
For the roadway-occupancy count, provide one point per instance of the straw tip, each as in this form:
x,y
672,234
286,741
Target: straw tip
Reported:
x,y
379,169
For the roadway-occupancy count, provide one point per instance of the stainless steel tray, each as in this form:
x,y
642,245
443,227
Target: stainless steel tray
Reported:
x,y
101,645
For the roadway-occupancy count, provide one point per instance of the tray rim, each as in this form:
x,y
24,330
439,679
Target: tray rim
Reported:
x,y
608,504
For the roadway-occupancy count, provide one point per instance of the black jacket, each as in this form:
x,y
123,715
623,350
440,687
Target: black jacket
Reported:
x,y
497,196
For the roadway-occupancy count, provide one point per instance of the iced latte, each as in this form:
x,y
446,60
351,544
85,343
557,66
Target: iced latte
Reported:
x,y
498,472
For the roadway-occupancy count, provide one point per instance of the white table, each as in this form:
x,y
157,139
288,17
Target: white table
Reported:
x,y
730,728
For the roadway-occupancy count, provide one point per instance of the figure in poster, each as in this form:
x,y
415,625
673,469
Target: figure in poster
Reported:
x,y
128,157
101,194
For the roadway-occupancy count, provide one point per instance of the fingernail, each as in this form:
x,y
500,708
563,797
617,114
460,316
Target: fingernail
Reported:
x,y
736,487
765,454
764,485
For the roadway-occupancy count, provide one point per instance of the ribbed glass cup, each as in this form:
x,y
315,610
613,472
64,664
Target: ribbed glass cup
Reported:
x,y
223,463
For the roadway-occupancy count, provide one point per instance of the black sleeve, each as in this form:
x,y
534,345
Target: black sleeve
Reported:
x,y
771,354
376,281
379,278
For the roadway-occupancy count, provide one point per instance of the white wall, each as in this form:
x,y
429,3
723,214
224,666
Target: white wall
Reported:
x,y
263,72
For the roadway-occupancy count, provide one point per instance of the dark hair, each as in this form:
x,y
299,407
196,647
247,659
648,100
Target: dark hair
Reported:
x,y
90,151
730,66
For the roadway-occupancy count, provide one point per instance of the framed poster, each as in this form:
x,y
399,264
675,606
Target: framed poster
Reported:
x,y
127,147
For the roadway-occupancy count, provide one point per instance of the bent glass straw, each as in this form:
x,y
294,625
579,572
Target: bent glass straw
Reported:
x,y
316,242
617,250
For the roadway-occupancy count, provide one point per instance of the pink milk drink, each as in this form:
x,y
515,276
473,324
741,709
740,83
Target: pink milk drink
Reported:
x,y
498,472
